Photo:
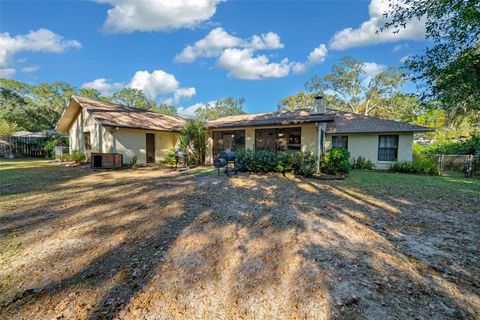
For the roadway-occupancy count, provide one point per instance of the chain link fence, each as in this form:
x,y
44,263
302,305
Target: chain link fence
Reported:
x,y
467,164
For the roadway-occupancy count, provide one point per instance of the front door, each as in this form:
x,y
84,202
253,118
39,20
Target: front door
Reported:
x,y
150,148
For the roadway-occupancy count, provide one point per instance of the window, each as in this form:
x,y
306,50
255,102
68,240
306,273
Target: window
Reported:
x,y
86,141
278,139
340,142
387,148
228,140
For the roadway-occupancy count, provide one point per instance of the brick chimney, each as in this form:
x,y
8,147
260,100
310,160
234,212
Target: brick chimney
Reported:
x,y
319,106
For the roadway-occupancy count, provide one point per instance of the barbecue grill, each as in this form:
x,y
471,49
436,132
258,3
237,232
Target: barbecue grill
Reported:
x,y
226,160
180,159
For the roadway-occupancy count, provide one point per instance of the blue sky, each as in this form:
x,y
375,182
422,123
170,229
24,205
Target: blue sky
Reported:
x,y
140,44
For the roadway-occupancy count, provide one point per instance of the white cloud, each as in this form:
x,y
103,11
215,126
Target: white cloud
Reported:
x,y
237,55
372,69
7,72
103,86
156,84
189,112
400,47
30,69
42,40
218,40
241,64
318,55
266,41
366,34
184,93
128,16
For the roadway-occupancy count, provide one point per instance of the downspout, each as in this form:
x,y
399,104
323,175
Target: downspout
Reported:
x,y
320,143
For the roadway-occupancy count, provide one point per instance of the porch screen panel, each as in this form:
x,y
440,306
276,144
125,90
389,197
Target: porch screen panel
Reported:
x,y
266,139
278,139
228,140
289,139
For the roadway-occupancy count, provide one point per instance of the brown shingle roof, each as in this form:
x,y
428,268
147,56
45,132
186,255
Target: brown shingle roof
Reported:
x,y
348,122
269,118
115,115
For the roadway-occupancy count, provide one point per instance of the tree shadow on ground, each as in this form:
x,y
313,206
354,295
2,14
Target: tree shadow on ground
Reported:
x,y
139,244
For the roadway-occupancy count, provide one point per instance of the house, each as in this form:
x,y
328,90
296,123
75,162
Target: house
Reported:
x,y
381,141
95,126
104,127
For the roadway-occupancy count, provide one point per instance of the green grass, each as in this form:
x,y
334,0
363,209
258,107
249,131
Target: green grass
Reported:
x,y
200,171
24,175
401,184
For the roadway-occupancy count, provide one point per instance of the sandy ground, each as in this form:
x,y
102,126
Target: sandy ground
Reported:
x,y
154,244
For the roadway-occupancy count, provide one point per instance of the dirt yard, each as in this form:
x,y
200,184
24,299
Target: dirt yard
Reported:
x,y
152,244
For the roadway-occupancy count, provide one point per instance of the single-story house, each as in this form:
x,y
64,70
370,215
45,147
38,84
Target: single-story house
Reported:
x,y
95,126
105,127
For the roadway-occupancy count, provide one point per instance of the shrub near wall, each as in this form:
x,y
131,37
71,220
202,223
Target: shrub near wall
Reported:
x,y
298,163
336,161
421,166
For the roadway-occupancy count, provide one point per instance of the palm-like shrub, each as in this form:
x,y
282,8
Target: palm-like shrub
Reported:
x,y
193,141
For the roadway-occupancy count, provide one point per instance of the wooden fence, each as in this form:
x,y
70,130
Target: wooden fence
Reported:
x,y
20,147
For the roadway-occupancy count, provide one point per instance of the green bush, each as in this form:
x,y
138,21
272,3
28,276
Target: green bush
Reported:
x,y
66,157
421,166
77,156
169,159
336,161
444,146
361,163
298,163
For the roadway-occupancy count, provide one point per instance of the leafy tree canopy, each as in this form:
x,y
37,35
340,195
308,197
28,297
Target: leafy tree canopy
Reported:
x,y
38,107
221,108
449,71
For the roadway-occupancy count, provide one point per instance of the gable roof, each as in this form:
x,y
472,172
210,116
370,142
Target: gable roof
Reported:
x,y
115,115
269,118
349,122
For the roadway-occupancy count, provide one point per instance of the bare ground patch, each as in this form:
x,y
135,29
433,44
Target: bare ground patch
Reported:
x,y
152,244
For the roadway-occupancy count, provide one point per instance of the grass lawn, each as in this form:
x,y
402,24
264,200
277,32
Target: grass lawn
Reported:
x,y
151,243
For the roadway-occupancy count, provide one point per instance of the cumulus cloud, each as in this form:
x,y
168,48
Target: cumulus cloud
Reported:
x,y
241,64
128,16
238,56
103,86
155,84
318,55
7,72
372,69
366,33
41,40
189,112
218,40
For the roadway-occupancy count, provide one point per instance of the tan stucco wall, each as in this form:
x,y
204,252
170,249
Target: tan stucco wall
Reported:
x,y
308,140
132,142
129,142
100,138
366,145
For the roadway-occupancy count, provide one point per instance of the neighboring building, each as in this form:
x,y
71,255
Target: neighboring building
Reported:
x,y
95,126
105,127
